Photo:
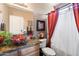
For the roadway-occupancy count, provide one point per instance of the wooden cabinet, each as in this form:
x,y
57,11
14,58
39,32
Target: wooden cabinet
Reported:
x,y
25,51
31,51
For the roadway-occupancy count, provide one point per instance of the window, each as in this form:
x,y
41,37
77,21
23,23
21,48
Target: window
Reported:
x,y
16,24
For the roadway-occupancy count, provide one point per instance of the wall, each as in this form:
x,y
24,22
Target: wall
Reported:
x,y
39,17
5,14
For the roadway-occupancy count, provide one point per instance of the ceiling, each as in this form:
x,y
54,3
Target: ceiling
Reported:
x,y
37,8
41,8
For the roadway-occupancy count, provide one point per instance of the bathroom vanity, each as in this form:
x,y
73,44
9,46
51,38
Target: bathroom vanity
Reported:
x,y
30,49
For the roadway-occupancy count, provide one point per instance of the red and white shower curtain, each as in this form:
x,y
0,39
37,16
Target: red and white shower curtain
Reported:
x,y
65,39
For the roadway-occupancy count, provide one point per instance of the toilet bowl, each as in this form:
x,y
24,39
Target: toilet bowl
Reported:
x,y
48,51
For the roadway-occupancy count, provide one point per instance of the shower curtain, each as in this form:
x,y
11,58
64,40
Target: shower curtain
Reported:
x,y
66,37
76,14
52,21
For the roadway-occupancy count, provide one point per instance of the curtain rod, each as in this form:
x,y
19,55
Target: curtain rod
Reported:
x,y
64,6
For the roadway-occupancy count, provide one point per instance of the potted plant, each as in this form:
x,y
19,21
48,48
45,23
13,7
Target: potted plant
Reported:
x,y
5,38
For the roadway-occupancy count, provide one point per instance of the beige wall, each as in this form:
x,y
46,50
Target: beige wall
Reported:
x,y
4,11
7,11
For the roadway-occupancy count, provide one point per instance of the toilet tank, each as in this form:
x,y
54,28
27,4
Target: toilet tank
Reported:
x,y
42,43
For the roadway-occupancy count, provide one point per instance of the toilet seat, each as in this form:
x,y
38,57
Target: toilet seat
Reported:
x,y
48,51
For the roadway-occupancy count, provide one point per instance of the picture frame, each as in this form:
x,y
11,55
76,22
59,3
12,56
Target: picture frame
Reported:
x,y
40,25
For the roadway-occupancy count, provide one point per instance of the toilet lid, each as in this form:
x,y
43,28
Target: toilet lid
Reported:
x,y
48,51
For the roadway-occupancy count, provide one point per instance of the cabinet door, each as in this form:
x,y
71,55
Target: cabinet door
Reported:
x,y
30,51
16,24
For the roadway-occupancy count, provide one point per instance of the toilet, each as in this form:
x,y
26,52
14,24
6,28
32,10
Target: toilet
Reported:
x,y
46,50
